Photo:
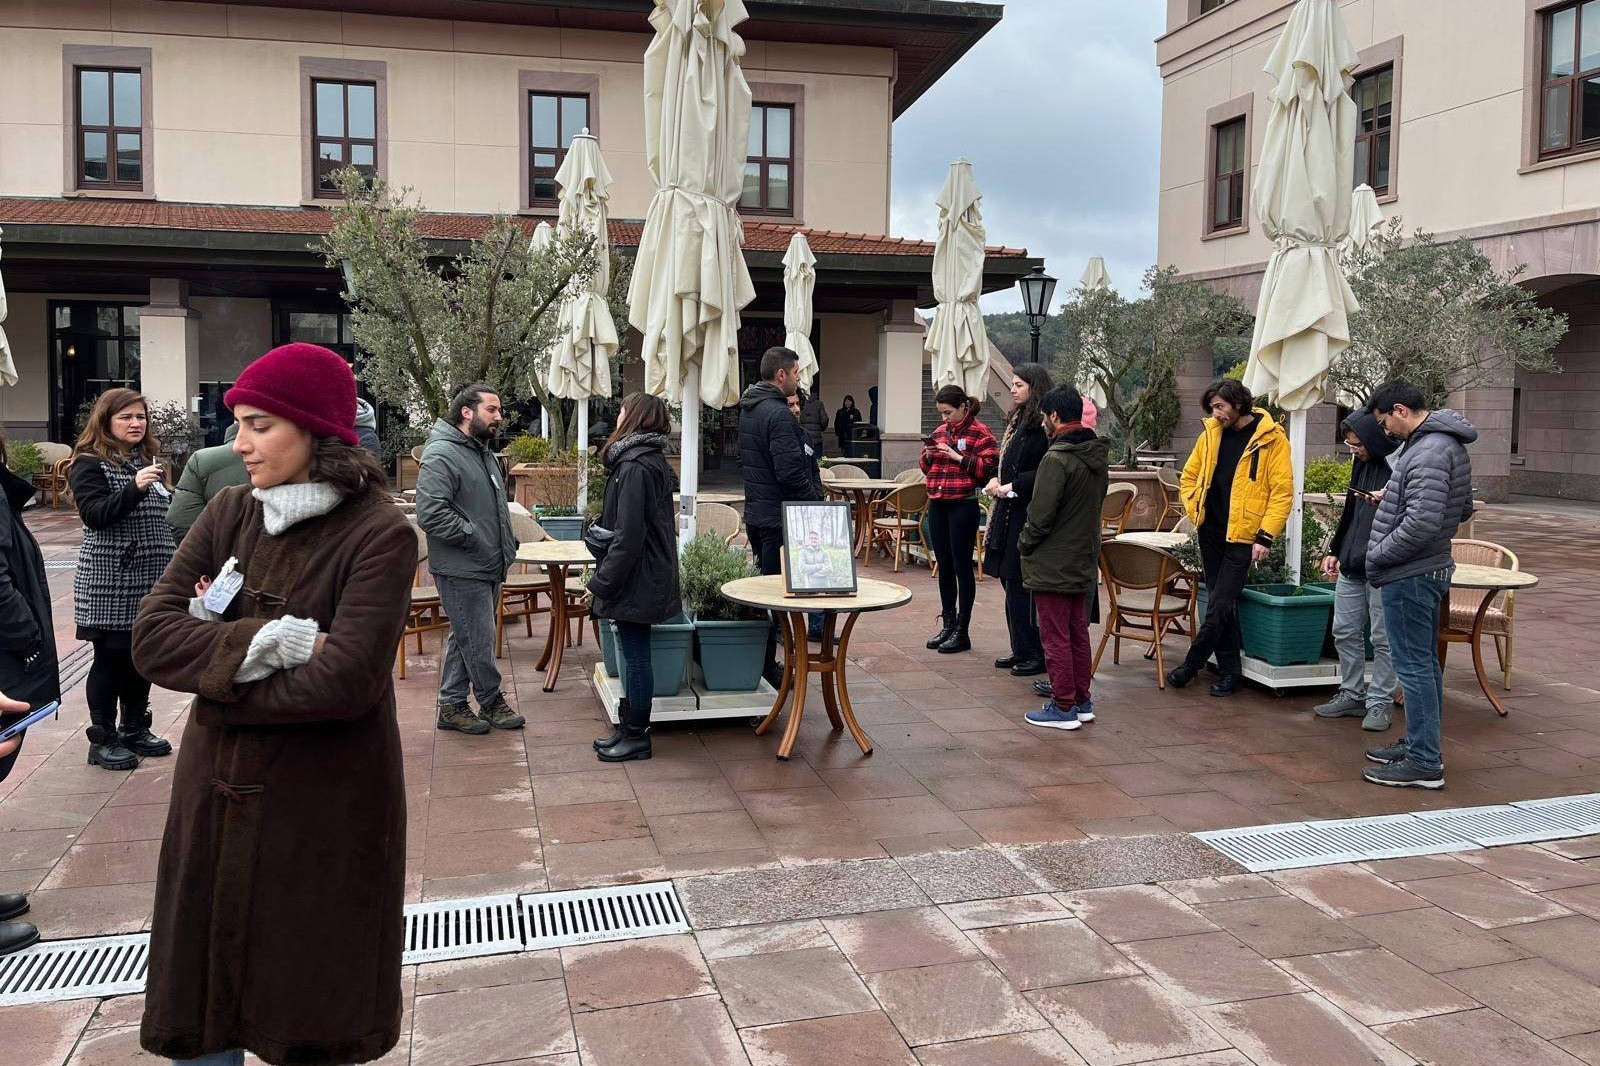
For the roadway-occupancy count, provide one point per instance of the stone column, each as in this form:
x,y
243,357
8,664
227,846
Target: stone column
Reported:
x,y
169,345
900,374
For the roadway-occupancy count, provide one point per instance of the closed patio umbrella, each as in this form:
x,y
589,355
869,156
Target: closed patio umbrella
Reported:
x,y
1096,279
689,279
543,236
8,368
1303,200
586,337
956,339
799,281
1366,218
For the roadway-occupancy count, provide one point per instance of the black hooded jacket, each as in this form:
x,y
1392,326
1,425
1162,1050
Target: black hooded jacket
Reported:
x,y
637,581
773,449
1349,544
27,632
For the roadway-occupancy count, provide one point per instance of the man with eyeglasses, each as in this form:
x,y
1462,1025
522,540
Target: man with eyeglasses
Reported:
x,y
1357,604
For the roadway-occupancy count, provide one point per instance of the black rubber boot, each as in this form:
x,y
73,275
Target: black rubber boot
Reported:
x,y
947,628
958,640
635,744
616,733
136,736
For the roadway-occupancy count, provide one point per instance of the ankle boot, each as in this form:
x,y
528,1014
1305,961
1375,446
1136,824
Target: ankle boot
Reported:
x,y
113,756
958,640
947,628
616,732
634,744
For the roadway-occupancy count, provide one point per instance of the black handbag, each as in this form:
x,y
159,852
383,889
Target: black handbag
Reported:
x,y
598,540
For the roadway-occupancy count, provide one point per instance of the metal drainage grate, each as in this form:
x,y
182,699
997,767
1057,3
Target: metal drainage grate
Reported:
x,y
74,666
61,564
1492,826
556,919
1580,815
461,929
1298,844
75,969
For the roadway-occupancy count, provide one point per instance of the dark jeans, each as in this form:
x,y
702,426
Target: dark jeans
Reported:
x,y
1411,615
114,679
639,677
953,529
1064,622
1226,566
766,544
1026,646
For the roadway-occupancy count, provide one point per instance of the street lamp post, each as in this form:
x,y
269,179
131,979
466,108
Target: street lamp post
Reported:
x,y
1038,290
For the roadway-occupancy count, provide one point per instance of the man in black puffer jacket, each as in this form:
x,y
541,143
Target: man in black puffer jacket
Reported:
x,y
778,463
1408,556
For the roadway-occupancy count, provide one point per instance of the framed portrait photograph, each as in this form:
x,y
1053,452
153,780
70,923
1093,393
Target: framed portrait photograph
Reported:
x,y
819,556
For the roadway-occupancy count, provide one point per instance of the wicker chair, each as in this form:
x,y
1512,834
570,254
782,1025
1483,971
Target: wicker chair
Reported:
x,y
720,519
1499,621
845,472
911,477
425,614
900,518
519,596
52,479
1144,601
1114,512
1172,505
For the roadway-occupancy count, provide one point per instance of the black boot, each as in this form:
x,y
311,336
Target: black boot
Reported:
x,y
616,733
947,627
957,640
13,905
105,744
136,736
14,936
635,740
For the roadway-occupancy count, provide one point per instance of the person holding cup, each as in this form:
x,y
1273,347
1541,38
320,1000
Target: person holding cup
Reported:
x,y
122,499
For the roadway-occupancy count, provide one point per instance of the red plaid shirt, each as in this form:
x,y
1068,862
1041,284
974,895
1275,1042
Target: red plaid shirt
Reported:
x,y
980,458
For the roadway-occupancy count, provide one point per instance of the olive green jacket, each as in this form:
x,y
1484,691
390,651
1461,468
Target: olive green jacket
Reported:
x,y
1060,542
208,472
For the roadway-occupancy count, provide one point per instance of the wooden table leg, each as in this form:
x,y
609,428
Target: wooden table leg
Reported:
x,y
865,518
1477,652
557,641
840,668
797,621
787,685
829,659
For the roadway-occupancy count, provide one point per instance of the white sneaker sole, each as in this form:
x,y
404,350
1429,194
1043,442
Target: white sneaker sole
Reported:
x,y
1404,784
1066,726
1085,717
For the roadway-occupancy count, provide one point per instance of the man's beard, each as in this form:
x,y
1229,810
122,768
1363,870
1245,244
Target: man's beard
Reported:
x,y
481,430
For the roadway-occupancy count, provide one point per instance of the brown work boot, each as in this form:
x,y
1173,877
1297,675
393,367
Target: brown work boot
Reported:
x,y
459,716
500,715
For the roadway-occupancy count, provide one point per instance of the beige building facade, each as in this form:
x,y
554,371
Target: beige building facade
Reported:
x,y
163,162
1479,119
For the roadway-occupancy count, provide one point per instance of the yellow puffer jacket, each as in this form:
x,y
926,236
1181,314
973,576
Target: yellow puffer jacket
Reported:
x,y
1263,484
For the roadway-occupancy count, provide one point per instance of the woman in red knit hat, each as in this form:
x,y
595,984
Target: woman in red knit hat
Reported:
x,y
281,885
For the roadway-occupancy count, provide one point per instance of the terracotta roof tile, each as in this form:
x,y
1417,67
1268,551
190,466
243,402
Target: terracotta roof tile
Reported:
x,y
313,221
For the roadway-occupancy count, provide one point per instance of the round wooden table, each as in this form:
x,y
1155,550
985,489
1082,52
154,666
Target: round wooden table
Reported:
x,y
864,491
1493,580
1161,541
767,594
729,498
557,557
845,460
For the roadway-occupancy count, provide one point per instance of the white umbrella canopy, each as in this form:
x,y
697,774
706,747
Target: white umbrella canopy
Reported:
x,y
8,367
1095,278
956,337
543,237
799,281
1366,218
1303,197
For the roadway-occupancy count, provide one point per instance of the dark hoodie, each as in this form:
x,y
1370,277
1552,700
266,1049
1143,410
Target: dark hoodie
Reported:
x,y
776,456
1428,496
1349,544
1060,542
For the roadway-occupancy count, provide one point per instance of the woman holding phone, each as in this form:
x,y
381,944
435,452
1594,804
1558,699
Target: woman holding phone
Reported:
x,y
959,457
126,545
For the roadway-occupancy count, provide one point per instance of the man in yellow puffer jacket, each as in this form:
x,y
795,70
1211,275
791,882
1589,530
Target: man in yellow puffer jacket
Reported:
x,y
1237,488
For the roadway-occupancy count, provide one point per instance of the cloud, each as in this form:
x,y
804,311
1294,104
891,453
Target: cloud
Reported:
x,y
1059,111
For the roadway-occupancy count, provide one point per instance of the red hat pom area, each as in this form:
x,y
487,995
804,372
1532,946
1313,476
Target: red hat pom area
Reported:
x,y
305,383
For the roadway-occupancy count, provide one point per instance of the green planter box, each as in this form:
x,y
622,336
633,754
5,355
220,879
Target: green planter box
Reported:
x,y
1328,649
608,650
1284,625
732,654
670,644
563,527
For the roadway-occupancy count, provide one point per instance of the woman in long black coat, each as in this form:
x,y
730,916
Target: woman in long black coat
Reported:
x,y
1021,451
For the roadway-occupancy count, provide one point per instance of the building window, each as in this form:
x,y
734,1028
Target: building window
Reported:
x,y
1227,176
1569,102
110,125
553,120
1208,6
769,168
95,347
1374,96
344,117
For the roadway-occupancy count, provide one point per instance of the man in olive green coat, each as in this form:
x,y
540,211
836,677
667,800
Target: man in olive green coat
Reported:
x,y
1060,550
208,472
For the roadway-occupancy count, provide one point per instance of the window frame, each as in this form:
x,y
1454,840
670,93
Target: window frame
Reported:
x,y
1242,108
1571,82
776,94
1534,158
535,172
314,69
113,58
346,142
1390,54
547,83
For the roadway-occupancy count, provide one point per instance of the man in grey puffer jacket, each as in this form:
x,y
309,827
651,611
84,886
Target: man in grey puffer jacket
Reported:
x,y
1408,557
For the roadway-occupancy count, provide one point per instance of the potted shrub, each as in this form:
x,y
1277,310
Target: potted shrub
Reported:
x,y
545,481
23,459
731,638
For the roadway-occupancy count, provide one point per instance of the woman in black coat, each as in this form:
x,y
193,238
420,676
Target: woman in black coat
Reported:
x,y
845,421
1021,451
636,584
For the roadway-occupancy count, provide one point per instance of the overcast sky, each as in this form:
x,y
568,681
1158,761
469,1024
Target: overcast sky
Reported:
x,y
1058,109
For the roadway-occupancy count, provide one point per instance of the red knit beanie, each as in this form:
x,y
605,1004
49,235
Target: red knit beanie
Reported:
x,y
305,383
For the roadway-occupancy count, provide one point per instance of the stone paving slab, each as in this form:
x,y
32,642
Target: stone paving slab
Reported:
x,y
1118,861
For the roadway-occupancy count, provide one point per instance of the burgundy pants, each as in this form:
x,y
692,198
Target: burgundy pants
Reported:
x,y
1064,626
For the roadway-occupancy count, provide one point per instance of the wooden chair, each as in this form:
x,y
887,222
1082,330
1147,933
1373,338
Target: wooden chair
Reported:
x,y
720,519
1172,506
1499,621
1114,512
426,611
900,518
1144,606
519,596
913,476
51,480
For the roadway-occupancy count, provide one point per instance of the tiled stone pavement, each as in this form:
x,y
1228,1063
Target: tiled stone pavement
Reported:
x,y
964,896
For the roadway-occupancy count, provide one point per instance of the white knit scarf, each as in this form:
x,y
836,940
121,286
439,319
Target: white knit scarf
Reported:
x,y
284,505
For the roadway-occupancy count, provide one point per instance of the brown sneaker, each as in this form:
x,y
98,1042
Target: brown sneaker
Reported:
x,y
500,715
459,716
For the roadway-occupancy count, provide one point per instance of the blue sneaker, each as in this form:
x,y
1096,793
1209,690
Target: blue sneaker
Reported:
x,y
1051,716
1085,711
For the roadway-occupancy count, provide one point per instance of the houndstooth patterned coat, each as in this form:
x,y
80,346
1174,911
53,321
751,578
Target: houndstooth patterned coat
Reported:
x,y
126,543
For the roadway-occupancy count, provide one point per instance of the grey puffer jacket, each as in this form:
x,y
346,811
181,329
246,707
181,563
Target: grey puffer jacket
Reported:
x,y
1428,496
461,505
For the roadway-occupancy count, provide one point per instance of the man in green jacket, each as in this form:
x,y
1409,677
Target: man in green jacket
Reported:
x,y
1060,550
208,472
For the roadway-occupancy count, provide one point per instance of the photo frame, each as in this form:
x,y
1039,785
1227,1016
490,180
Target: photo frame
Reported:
x,y
819,556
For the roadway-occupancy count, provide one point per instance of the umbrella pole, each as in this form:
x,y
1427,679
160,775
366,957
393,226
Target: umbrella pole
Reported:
x,y
1297,458
583,454
689,460
544,421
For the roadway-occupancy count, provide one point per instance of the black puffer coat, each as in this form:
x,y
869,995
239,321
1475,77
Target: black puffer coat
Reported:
x,y
638,579
772,450
28,668
1019,463
1349,544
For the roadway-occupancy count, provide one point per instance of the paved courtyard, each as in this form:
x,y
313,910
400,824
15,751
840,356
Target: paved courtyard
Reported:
x,y
975,892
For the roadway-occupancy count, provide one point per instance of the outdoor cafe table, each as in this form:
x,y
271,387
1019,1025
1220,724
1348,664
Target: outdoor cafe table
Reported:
x,y
864,490
729,498
767,594
557,556
1161,541
1492,580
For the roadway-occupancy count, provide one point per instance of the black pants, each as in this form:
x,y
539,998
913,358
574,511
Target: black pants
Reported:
x,y
114,680
1227,566
1023,624
953,528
